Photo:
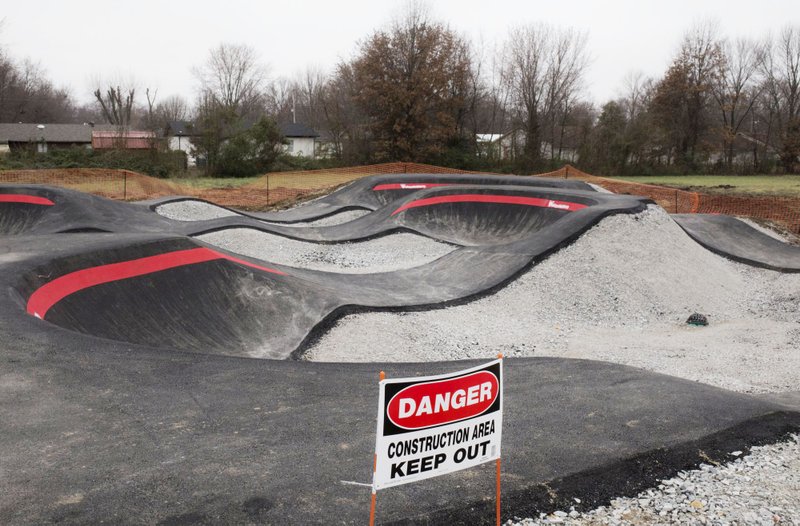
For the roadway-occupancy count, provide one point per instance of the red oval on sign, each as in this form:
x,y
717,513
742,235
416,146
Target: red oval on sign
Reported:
x,y
443,401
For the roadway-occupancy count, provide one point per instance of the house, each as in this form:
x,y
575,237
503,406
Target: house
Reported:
x,y
179,136
42,138
506,146
300,139
747,151
123,139
328,145
511,144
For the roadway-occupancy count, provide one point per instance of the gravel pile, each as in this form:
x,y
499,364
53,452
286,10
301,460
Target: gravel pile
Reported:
x,y
620,293
333,219
762,488
383,254
192,211
200,211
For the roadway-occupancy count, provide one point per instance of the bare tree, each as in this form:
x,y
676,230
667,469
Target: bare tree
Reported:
x,y
639,132
543,69
279,95
116,106
171,109
26,95
736,90
309,90
234,78
781,67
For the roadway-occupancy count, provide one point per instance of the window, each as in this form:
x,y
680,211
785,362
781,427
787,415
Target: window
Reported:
x,y
289,145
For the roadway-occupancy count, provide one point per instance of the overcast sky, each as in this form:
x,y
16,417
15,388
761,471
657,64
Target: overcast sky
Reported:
x,y
159,42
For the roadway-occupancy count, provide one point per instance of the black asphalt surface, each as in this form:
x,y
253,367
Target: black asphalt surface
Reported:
x,y
736,240
107,418
361,193
246,312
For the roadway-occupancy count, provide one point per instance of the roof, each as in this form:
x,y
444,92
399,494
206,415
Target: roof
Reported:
x,y
51,133
296,129
127,139
488,137
184,128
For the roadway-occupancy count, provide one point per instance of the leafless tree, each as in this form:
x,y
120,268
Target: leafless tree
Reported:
x,y
736,90
173,108
115,105
279,95
234,77
781,67
308,90
27,95
543,69
634,94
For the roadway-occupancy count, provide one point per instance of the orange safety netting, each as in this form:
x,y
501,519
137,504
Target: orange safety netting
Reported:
x,y
280,188
785,211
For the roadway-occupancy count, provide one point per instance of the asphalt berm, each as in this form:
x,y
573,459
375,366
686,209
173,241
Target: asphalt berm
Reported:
x,y
132,392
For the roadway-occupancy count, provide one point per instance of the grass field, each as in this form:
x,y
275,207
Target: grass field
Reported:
x,y
204,183
777,185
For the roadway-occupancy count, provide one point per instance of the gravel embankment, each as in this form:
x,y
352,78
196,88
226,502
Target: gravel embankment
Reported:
x,y
620,293
200,211
192,211
383,254
761,488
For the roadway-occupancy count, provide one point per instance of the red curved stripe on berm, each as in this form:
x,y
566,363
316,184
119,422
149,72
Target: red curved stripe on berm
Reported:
x,y
407,186
51,293
26,199
500,199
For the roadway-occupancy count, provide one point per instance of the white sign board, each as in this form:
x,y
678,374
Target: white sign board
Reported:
x,y
432,425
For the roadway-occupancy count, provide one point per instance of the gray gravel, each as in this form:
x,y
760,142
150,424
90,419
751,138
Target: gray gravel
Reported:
x,y
621,293
762,488
333,219
200,211
383,254
192,211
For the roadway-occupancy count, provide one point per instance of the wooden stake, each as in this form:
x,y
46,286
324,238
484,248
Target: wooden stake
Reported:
x,y
497,475
498,492
374,499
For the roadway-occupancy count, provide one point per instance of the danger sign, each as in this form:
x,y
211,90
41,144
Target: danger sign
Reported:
x,y
432,425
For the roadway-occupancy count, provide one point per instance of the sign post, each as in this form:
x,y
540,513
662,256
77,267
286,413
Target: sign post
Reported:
x,y
434,425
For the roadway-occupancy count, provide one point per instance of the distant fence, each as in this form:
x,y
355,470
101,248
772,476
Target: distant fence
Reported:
x,y
784,211
283,188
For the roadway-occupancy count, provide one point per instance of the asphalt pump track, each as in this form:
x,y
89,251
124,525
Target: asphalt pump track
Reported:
x,y
132,392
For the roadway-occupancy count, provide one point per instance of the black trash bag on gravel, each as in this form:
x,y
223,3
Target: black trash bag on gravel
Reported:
x,y
697,319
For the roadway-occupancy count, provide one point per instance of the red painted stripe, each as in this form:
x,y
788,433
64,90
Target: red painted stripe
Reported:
x,y
27,199
51,293
501,199
408,186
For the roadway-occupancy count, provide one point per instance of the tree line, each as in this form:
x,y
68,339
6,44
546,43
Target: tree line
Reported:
x,y
417,90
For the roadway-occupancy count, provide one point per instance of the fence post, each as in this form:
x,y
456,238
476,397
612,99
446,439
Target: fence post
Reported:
x,y
124,186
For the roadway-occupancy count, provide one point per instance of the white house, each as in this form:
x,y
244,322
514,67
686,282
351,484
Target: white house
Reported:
x,y
179,134
510,145
300,139
501,145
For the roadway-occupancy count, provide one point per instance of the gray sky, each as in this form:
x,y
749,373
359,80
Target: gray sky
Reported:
x,y
158,42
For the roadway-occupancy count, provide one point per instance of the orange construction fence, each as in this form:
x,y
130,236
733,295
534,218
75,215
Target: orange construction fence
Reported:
x,y
283,188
